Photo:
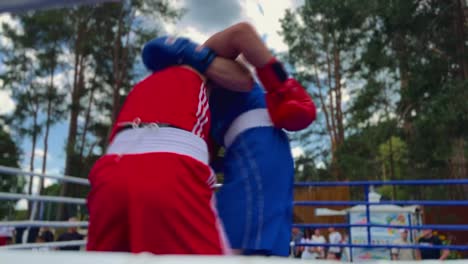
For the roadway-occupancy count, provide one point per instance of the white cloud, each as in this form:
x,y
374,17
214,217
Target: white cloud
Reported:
x,y
49,182
7,105
213,16
297,152
196,35
321,165
380,115
202,20
7,19
53,171
191,32
40,153
22,204
268,24
63,79
345,97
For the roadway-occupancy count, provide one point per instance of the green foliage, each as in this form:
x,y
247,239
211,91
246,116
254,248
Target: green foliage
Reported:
x,y
78,62
393,155
410,88
9,156
359,158
50,209
307,170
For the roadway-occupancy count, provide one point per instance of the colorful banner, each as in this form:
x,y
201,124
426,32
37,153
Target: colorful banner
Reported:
x,y
379,235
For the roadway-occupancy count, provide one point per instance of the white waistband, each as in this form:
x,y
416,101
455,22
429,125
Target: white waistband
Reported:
x,y
250,119
159,139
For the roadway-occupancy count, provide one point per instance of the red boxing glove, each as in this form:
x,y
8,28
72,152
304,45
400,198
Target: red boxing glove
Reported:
x,y
291,107
288,103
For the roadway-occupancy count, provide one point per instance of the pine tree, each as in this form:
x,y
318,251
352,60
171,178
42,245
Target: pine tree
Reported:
x,y
10,157
107,47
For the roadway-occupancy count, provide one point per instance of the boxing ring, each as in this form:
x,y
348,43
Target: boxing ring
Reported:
x,y
370,206
25,253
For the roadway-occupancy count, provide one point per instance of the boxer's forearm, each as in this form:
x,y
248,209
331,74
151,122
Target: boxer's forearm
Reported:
x,y
230,74
240,38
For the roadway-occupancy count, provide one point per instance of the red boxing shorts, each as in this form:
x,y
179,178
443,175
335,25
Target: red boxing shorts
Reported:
x,y
152,192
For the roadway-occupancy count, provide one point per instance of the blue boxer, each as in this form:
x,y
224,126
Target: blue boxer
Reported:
x,y
255,201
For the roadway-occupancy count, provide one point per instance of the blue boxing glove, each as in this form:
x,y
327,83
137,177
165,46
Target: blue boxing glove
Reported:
x,y
163,52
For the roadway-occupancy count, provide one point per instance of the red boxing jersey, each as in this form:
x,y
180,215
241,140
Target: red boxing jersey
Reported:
x,y
176,96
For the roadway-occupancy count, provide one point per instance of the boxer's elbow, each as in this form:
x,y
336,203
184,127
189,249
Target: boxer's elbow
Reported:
x,y
243,28
231,75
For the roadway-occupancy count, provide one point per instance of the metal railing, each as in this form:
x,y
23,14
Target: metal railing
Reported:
x,y
368,204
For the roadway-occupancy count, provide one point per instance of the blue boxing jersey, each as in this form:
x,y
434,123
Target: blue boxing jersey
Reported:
x,y
226,105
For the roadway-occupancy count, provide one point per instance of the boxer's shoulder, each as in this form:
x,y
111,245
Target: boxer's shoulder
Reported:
x,y
174,73
187,67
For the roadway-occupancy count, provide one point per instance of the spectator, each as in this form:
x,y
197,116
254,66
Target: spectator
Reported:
x,y
318,238
334,237
296,238
26,234
47,235
428,239
402,253
345,251
42,239
70,235
6,234
307,252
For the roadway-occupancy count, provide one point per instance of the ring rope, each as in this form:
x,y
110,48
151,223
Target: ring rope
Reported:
x,y
353,203
15,171
42,245
41,198
379,183
43,224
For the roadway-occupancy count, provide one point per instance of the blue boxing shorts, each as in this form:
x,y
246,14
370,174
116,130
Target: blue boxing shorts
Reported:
x,y
255,202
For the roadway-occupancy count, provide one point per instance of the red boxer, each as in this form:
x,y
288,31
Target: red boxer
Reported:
x,y
152,191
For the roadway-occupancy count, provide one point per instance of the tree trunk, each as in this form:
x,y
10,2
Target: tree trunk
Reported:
x,y
458,164
47,130
324,106
338,114
46,138
338,94
33,150
392,167
86,125
117,67
120,54
33,154
78,83
331,104
460,33
403,70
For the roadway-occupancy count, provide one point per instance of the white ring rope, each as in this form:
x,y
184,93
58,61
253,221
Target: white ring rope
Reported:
x,y
43,224
71,179
16,171
48,245
42,198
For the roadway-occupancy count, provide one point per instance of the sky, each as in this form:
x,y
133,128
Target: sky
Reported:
x,y
203,18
